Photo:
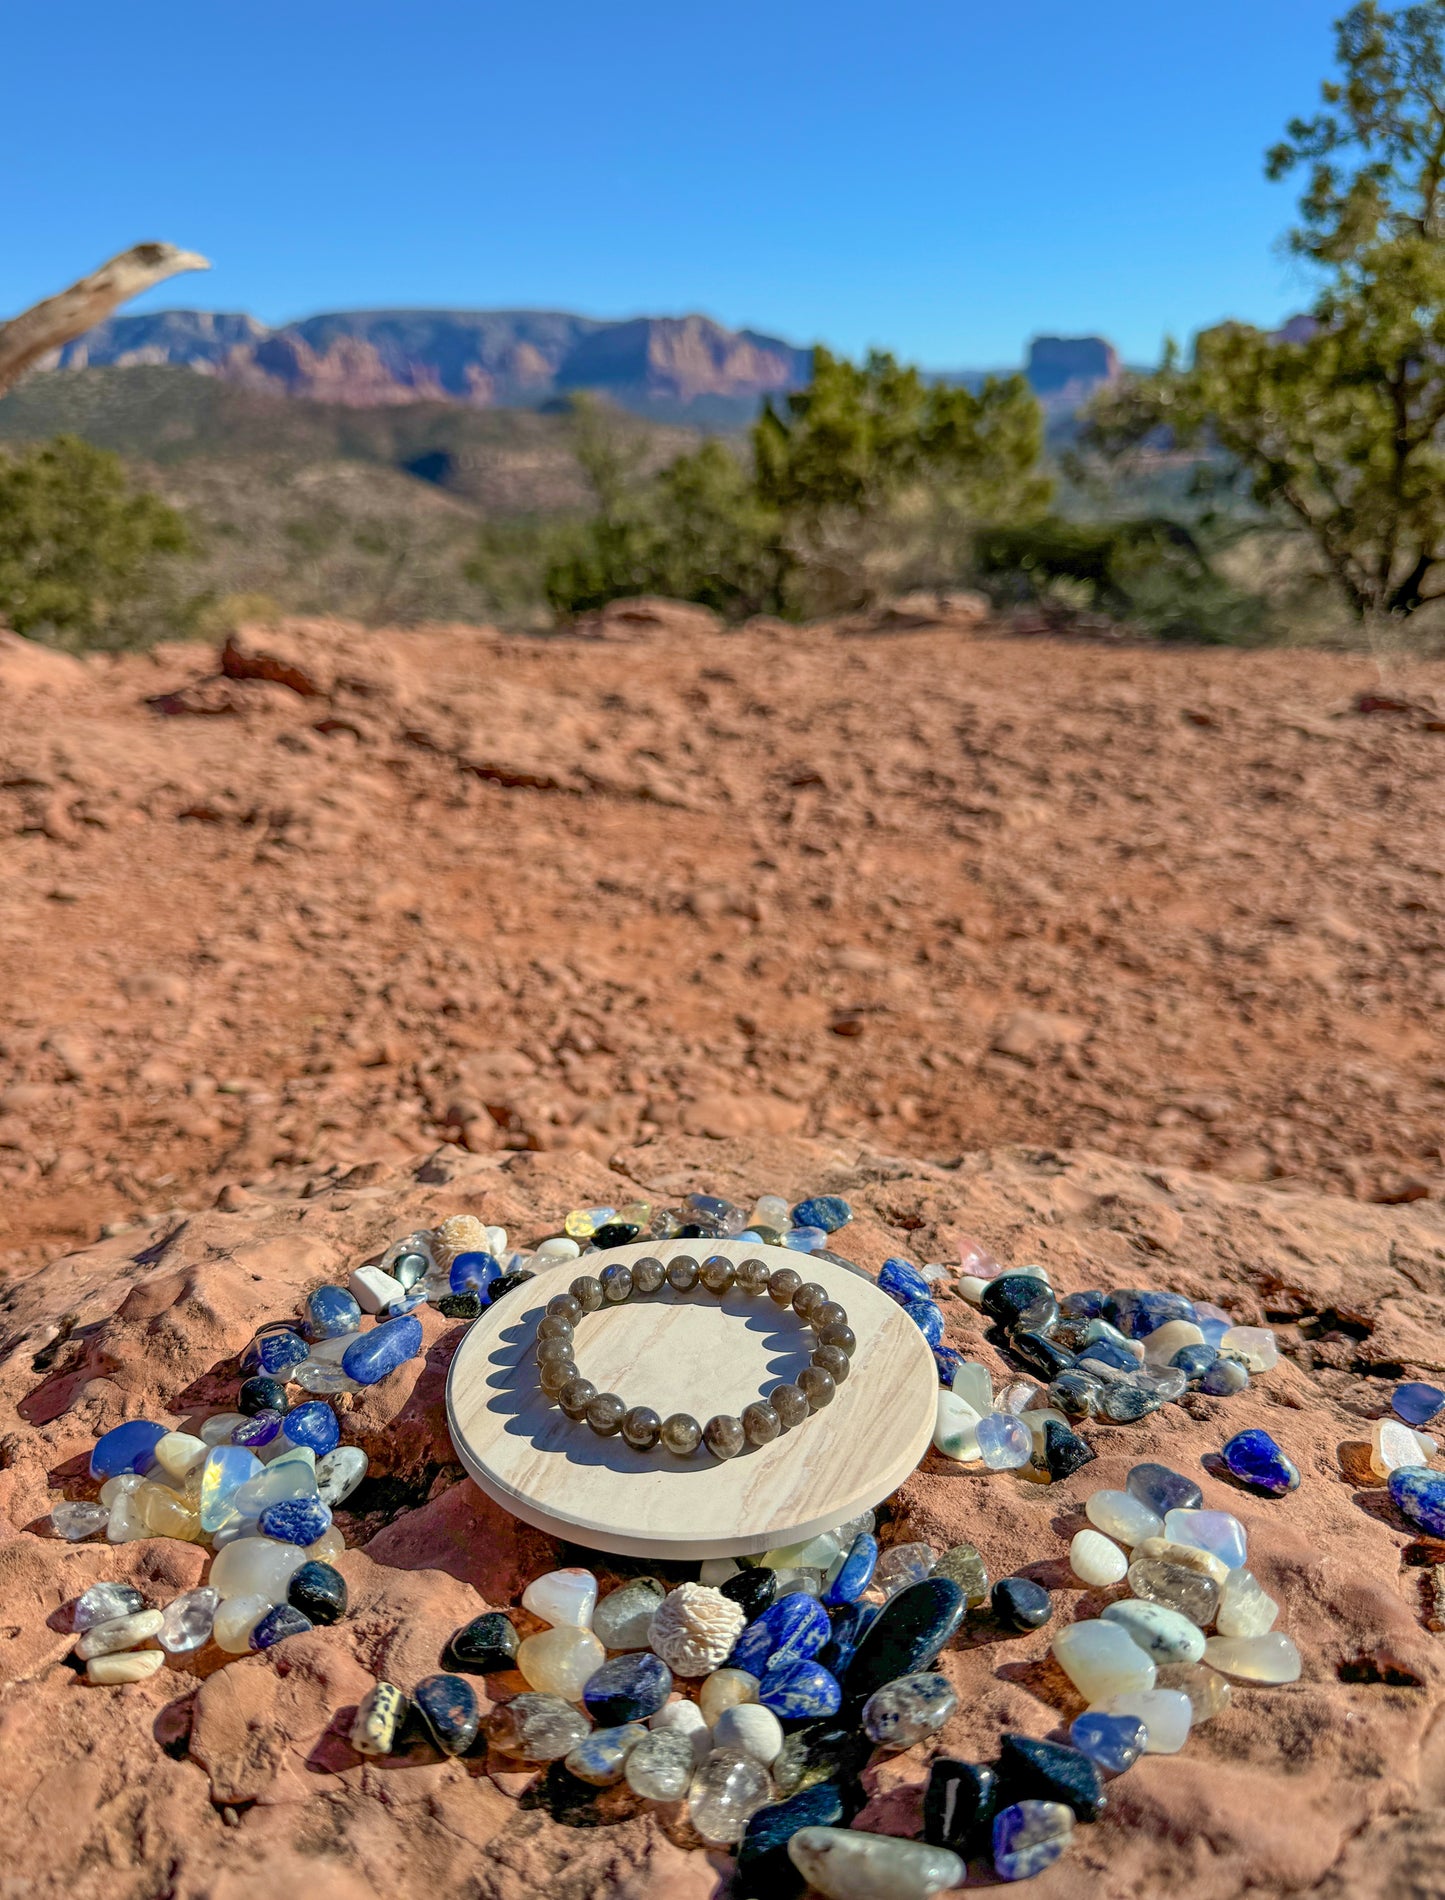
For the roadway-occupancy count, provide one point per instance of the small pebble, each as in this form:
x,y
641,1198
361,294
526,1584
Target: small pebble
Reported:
x,y
120,1632
280,1621
1120,1515
379,1716
1021,1604
1167,1715
1102,1660
959,1804
1256,1460
844,1864
908,1710
561,1661
1215,1531
1114,1742
1163,1489
1272,1657
1096,1559
132,1665
187,1621
627,1689
318,1591
726,1689
1030,1836
1245,1609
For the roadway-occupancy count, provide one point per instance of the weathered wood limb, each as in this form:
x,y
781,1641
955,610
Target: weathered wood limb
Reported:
x,y
60,319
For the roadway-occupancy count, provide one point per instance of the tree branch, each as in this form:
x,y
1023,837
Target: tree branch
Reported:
x,y
59,320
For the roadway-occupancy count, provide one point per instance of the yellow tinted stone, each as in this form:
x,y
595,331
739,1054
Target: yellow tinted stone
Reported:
x,y
165,1513
561,1661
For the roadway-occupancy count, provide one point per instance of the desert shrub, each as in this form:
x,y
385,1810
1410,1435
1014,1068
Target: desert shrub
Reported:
x,y
84,556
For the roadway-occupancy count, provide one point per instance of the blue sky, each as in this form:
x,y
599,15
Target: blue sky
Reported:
x,y
940,177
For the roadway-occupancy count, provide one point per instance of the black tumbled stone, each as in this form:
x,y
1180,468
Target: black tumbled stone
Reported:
x,y
1040,1355
616,1233
449,1707
850,1624
1021,1604
318,1591
1030,1770
763,1866
910,1630
1010,1296
460,1305
484,1646
959,1804
261,1394
1076,1393
508,1283
752,1589
1064,1451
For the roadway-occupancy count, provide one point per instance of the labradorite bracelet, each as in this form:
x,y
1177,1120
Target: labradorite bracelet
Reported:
x,y
786,1406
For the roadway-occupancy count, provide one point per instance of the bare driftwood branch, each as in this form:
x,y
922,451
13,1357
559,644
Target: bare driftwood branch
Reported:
x,y
59,320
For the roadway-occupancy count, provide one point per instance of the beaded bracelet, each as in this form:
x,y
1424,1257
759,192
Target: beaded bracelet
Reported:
x,y
784,1407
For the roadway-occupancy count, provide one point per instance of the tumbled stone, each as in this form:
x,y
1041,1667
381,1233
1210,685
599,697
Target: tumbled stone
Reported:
x,y
485,1646
909,1709
1021,1604
561,1661
792,1629
1208,1692
1218,1532
1112,1742
103,1602
965,1567
726,1689
318,1591
1158,1630
1184,1556
1419,1494
901,1565
313,1425
236,1619
378,1719
1004,1441
1032,1770
1176,1588
1064,1451
562,1597
1392,1447
1029,1836
854,1573
339,1473
295,1520
226,1469
1102,1660
959,1804
1167,1715
331,1312
279,1622
187,1621
261,1396
973,1384
535,1727
600,1759
623,1618
1245,1608
130,1665
75,1521
1225,1378
753,1590
1162,1489
290,1476
799,1691
1256,1460
1271,1657
828,1211
727,1789
119,1632
372,1355
660,1766
449,1707
256,1566
178,1454
902,1282
850,1624
1007,1298
906,1636
1417,1403
1141,1311
845,1864
1120,1515
1096,1559
127,1447
1173,1336
747,1728
629,1688
764,1871
1256,1346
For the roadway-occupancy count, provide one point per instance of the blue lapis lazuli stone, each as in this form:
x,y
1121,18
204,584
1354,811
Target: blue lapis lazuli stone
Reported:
x,y
473,1271
800,1691
1256,1460
332,1311
273,1350
928,1318
850,1625
790,1630
948,1361
828,1211
128,1447
1112,1742
1416,1402
902,1281
257,1431
295,1520
1138,1312
410,1303
276,1625
370,1356
1419,1493
315,1425
855,1574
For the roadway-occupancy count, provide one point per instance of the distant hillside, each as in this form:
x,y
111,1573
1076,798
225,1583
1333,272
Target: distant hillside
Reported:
x,y
680,369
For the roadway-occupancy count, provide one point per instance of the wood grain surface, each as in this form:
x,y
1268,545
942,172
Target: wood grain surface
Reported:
x,y
694,1353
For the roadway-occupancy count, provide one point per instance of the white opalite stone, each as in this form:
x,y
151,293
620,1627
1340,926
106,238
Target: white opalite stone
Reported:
x,y
955,1431
1097,1559
1268,1658
973,1384
749,1729
1119,1514
121,1632
256,1566
1102,1660
559,1247
1391,1446
178,1453
130,1665
235,1620
1167,1715
1255,1345
1216,1531
372,1290
1245,1609
1161,1345
563,1597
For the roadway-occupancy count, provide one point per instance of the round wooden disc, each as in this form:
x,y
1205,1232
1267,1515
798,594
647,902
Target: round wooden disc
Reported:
x,y
691,1352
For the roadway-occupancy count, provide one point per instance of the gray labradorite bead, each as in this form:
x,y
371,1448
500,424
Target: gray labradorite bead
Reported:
x,y
556,1375
553,1350
840,1335
647,1275
761,1424
808,1295
682,1273
576,1396
783,1283
817,1387
566,1305
642,1428
587,1291
718,1273
681,1434
724,1436
606,1413
552,1326
616,1285
790,1404
836,1364
752,1276
828,1313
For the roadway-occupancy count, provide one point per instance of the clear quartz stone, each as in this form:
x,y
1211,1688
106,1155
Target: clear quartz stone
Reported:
x,y
1245,1609
104,1601
561,1661
902,1564
1102,1660
1255,1345
623,1618
1391,1446
117,1487
725,1793
179,1453
78,1520
660,1767
973,1385
125,1524
187,1621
